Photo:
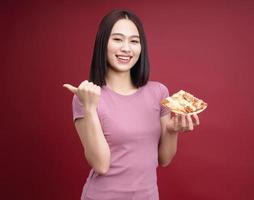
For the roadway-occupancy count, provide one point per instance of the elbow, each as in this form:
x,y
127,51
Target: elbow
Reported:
x,y
166,161
101,170
102,167
164,165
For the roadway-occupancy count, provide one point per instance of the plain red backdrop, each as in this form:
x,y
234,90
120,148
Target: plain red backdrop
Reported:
x,y
205,47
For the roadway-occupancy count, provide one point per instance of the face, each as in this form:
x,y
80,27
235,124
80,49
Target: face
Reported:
x,y
123,46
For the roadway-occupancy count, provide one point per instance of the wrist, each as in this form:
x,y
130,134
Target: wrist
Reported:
x,y
90,111
172,132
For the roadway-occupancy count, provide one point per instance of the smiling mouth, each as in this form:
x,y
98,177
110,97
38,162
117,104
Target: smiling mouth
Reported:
x,y
123,59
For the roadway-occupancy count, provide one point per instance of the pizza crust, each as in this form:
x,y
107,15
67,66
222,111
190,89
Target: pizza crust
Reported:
x,y
184,103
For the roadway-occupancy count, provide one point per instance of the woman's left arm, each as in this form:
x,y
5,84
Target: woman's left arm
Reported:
x,y
170,128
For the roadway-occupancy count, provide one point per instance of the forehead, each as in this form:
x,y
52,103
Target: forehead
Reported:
x,y
125,27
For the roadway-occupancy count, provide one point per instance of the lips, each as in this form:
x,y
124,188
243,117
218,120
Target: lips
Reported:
x,y
123,58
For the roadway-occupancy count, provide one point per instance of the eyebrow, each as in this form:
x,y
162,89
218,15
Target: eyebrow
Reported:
x,y
124,35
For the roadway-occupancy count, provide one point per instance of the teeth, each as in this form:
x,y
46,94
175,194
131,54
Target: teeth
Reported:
x,y
124,58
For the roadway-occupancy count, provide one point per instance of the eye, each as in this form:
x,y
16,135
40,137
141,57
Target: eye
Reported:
x,y
117,39
135,41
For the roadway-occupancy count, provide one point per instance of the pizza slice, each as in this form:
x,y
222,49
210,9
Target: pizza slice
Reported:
x,y
184,103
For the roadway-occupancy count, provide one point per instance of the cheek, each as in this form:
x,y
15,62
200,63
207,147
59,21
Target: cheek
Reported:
x,y
137,49
112,47
110,51
110,57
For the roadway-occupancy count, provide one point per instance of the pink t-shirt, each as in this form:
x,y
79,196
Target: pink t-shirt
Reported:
x,y
131,125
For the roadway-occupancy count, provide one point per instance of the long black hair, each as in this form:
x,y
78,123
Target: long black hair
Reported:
x,y
140,71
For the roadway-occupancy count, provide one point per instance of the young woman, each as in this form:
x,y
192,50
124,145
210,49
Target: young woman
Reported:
x,y
124,130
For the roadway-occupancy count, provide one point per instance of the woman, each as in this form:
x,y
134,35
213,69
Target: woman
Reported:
x,y
124,130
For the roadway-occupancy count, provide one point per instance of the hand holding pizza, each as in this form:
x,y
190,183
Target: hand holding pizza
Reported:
x,y
182,123
185,107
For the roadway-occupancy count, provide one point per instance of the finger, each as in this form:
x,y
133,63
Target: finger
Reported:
x,y
172,114
170,125
196,118
190,123
98,89
176,122
177,118
83,84
70,88
183,122
91,87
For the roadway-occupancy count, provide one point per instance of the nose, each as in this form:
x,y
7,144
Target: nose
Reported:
x,y
125,47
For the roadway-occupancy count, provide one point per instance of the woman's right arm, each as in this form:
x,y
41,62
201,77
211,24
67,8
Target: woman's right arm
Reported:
x,y
95,145
89,129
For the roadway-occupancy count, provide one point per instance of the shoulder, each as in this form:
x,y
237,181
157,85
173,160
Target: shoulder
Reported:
x,y
156,85
156,88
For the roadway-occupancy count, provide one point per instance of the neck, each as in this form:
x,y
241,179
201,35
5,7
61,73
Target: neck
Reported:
x,y
120,82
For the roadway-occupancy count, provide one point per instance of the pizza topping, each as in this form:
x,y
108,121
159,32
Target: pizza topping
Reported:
x,y
184,103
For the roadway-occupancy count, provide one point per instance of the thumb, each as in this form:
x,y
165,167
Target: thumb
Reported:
x,y
70,88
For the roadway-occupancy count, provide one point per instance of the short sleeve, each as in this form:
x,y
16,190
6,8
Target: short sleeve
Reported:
x,y
164,94
77,108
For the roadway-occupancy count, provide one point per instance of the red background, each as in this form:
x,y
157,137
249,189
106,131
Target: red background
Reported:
x,y
205,47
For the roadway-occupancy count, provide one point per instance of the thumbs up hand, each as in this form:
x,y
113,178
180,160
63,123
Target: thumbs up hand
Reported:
x,y
88,94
